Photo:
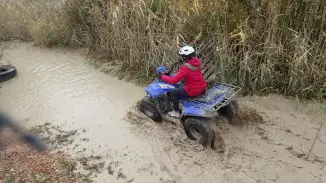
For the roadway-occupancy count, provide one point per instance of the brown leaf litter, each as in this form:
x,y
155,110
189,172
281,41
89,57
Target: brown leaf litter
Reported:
x,y
21,163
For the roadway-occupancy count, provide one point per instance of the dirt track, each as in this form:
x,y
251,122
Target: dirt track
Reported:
x,y
57,87
275,150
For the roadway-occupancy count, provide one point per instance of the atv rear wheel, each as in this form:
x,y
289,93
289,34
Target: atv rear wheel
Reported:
x,y
148,107
230,111
199,130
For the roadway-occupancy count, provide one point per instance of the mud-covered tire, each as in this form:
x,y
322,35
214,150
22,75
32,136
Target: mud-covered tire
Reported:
x,y
148,107
198,129
7,72
230,111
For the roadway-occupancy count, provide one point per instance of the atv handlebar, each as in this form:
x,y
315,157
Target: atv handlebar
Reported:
x,y
163,70
174,64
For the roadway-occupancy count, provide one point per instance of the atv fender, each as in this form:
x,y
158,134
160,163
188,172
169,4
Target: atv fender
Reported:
x,y
192,110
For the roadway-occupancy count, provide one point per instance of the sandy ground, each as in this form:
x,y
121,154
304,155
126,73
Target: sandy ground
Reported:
x,y
282,140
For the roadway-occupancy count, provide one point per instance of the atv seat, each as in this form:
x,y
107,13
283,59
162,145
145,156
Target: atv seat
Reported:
x,y
209,96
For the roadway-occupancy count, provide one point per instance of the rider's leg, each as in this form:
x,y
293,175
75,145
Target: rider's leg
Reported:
x,y
175,94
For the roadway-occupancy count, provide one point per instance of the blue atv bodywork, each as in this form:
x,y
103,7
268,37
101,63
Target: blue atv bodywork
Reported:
x,y
205,105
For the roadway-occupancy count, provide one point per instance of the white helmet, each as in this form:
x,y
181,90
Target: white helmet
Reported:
x,y
186,51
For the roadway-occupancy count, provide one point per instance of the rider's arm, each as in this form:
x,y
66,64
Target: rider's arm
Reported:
x,y
175,79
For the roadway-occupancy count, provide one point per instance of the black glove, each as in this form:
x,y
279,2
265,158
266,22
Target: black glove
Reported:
x,y
167,73
160,74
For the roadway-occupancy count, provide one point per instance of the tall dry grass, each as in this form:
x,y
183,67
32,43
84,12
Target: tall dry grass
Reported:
x,y
45,22
263,45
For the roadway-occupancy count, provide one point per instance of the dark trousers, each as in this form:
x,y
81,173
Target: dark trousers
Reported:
x,y
175,94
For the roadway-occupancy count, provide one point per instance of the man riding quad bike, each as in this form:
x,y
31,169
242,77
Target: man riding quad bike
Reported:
x,y
193,105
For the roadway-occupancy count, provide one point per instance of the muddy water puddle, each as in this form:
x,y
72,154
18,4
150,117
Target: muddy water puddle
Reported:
x,y
58,87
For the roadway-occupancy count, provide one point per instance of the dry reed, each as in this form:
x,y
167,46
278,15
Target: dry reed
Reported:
x,y
264,45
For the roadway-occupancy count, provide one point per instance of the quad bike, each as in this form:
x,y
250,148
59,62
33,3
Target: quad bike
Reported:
x,y
196,112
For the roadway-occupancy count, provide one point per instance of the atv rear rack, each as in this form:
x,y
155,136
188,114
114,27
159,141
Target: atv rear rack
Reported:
x,y
229,95
229,92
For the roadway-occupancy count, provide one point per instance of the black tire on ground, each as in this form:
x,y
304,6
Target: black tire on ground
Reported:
x,y
148,107
229,111
199,129
7,72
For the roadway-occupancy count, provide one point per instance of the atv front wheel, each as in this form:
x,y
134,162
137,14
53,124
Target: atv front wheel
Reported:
x,y
199,130
148,107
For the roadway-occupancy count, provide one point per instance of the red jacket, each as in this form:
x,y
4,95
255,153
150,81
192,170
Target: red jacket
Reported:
x,y
192,75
